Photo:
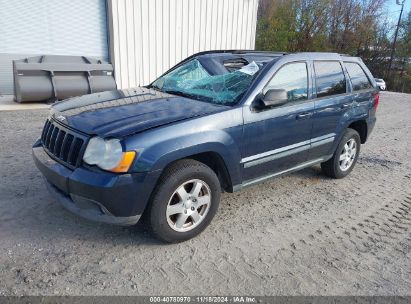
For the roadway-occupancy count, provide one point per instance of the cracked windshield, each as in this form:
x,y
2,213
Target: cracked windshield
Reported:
x,y
192,80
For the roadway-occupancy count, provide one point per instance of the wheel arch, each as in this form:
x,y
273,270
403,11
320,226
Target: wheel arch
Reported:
x,y
217,164
361,127
213,160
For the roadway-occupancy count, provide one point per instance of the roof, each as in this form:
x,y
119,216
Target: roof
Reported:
x,y
267,56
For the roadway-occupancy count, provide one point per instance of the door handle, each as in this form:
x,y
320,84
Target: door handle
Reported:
x,y
346,105
304,115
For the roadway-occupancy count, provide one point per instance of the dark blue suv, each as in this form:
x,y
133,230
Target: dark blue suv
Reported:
x,y
218,121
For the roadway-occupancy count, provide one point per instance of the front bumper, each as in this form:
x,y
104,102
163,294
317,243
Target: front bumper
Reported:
x,y
88,209
96,195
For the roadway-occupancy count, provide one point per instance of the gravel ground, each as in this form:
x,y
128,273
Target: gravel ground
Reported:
x,y
303,234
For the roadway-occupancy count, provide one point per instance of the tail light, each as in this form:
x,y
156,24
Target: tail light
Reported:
x,y
376,100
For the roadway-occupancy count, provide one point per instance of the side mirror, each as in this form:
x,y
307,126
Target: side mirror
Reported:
x,y
274,98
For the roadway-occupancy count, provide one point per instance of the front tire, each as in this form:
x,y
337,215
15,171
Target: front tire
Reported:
x,y
345,156
184,202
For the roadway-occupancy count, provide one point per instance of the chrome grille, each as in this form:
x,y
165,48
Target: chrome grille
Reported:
x,y
64,144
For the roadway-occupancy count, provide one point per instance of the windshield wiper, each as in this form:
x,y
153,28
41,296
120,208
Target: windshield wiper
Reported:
x,y
175,92
179,93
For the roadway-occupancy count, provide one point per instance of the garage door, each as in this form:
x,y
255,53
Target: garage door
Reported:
x,y
44,27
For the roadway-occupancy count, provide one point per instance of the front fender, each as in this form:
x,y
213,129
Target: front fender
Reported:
x,y
220,133
158,156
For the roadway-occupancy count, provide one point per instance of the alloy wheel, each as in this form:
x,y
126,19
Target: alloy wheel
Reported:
x,y
188,205
348,155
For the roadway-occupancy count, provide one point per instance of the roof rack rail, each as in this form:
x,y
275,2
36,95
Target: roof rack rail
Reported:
x,y
238,52
259,52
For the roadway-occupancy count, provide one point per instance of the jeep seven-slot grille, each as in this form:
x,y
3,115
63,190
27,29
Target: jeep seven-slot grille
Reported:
x,y
62,143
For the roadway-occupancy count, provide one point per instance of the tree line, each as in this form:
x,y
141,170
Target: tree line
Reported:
x,y
356,27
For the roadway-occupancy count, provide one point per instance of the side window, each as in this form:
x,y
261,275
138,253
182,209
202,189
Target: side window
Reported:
x,y
330,79
358,77
293,78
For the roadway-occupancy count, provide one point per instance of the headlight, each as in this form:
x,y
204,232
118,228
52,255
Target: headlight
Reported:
x,y
108,155
112,156
95,151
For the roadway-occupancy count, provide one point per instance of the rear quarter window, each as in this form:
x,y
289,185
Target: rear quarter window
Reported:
x,y
330,79
359,79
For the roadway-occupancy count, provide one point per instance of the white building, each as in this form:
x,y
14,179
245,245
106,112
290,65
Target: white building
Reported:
x,y
141,38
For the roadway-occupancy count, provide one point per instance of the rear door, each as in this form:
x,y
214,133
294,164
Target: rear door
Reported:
x,y
332,101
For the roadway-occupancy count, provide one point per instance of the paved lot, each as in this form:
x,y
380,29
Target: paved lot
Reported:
x,y
7,103
300,234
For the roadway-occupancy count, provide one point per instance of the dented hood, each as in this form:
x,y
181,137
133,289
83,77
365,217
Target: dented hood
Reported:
x,y
124,112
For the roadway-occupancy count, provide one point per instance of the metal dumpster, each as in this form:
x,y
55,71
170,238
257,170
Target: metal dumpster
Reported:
x,y
51,78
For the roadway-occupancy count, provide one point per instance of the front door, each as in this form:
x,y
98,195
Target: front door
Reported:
x,y
278,138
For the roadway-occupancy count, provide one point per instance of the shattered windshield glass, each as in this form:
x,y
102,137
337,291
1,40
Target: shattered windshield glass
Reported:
x,y
193,81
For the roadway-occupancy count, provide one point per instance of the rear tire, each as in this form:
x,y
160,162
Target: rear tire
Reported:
x,y
345,156
184,201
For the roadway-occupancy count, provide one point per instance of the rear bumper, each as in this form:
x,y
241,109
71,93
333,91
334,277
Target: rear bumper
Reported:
x,y
370,125
97,195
